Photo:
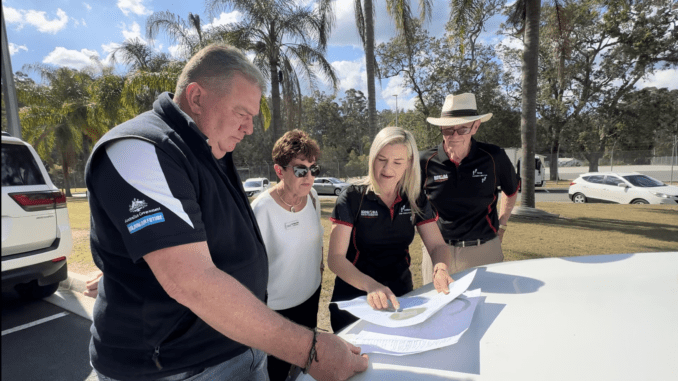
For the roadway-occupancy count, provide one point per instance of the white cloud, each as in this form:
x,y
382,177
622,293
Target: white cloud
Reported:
x,y
108,50
132,31
83,22
37,19
134,6
396,86
351,75
12,16
61,56
662,78
87,6
176,51
14,48
225,19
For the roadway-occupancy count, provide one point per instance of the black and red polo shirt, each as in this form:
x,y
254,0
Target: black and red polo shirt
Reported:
x,y
465,194
381,234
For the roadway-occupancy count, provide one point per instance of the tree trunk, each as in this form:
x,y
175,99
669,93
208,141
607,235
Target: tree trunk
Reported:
x,y
276,122
64,169
528,119
369,67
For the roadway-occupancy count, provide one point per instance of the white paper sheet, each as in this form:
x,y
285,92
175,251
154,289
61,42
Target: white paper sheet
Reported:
x,y
414,309
444,328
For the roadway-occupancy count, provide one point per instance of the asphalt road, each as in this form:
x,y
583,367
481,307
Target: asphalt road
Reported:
x,y
41,341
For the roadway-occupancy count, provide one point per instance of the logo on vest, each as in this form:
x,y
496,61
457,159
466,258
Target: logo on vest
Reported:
x,y
137,205
440,178
369,213
477,173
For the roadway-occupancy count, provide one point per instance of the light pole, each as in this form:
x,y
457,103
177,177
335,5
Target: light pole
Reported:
x,y
396,96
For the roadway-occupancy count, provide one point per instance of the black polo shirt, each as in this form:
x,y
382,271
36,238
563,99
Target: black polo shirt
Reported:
x,y
381,234
153,183
465,194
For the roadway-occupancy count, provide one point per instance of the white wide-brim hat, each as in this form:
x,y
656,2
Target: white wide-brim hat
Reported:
x,y
459,109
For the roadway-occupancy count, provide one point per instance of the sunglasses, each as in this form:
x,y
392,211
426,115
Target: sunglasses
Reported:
x,y
302,170
460,131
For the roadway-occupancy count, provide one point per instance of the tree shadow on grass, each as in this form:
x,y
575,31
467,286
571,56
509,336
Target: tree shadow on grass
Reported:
x,y
657,231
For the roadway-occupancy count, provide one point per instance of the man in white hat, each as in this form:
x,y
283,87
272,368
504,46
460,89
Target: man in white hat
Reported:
x,y
462,178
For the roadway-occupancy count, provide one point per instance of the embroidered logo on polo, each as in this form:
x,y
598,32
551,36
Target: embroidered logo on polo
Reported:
x,y
477,173
146,221
291,224
405,209
369,213
137,205
440,178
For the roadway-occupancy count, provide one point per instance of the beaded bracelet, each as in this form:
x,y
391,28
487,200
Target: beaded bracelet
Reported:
x,y
313,353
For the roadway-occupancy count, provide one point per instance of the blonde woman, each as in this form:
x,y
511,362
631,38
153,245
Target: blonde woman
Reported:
x,y
373,226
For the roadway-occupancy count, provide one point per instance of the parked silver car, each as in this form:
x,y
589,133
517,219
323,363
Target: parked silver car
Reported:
x,y
329,185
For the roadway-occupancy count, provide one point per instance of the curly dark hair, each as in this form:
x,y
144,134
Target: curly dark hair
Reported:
x,y
295,143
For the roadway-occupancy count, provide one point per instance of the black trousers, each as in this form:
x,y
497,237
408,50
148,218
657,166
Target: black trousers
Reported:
x,y
305,314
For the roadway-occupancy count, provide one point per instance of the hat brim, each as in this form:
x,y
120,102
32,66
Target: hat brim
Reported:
x,y
458,120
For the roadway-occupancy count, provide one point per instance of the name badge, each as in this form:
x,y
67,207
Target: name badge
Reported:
x,y
291,225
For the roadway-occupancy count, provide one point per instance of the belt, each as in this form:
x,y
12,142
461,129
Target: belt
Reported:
x,y
473,242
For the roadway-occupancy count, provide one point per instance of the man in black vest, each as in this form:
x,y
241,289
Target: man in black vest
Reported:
x,y
462,178
184,266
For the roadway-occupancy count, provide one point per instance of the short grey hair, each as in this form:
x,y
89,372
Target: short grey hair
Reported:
x,y
410,184
215,65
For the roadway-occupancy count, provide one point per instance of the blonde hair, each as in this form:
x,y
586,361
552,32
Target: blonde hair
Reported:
x,y
410,184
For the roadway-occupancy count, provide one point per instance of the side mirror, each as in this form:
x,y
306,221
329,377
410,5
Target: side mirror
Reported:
x,y
622,185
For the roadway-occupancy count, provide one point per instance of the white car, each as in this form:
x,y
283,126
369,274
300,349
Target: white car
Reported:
x,y
255,186
622,188
36,231
599,317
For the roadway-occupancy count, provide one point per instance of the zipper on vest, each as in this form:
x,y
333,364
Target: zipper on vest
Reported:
x,y
156,358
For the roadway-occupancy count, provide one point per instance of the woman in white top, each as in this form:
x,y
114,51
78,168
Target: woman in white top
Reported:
x,y
289,219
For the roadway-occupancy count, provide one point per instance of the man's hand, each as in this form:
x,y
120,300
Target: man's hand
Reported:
x,y
337,359
93,286
441,279
379,295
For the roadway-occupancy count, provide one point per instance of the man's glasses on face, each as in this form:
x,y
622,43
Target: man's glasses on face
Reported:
x,y
302,170
449,131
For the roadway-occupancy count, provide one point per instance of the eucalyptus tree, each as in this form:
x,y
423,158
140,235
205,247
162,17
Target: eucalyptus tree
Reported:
x,y
55,114
288,41
401,13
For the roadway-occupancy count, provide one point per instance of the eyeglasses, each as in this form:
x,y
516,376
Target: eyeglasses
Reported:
x,y
460,131
302,170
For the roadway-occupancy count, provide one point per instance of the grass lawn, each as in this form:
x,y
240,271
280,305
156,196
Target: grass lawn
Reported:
x,y
583,229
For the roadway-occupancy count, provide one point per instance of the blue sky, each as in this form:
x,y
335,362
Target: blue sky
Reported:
x,y
67,32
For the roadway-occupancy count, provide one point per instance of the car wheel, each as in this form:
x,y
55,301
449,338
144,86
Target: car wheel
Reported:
x,y
32,290
337,191
639,201
579,198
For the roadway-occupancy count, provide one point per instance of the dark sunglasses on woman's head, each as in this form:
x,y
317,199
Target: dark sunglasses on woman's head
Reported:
x,y
302,170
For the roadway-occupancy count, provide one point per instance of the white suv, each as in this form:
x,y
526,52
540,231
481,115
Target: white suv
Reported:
x,y
36,232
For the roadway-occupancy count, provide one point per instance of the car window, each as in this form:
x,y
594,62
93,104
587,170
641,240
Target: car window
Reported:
x,y
613,180
318,181
598,179
643,181
336,181
265,182
253,184
19,166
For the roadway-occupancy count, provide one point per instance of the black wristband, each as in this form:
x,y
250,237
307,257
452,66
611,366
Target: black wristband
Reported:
x,y
313,353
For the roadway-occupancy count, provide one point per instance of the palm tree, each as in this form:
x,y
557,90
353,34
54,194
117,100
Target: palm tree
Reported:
x,y
288,41
55,114
188,34
524,16
400,11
